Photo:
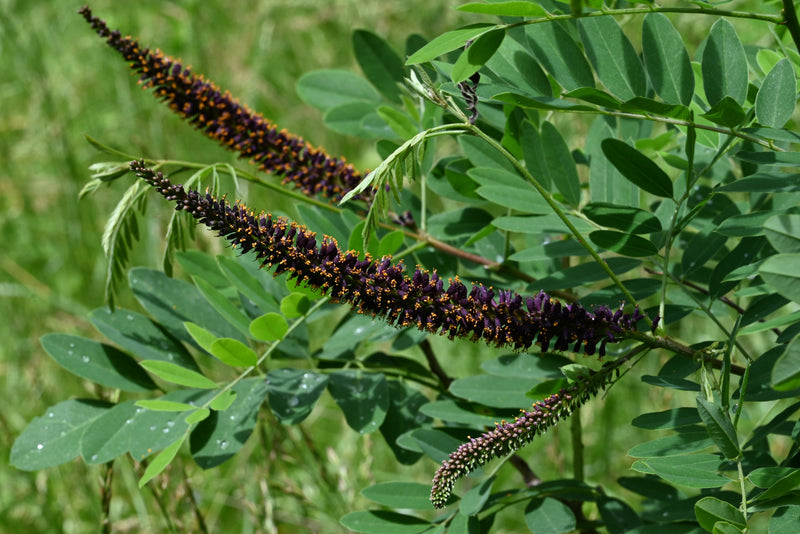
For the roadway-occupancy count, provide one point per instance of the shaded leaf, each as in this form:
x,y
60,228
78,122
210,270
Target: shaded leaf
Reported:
x,y
380,64
720,427
781,272
549,516
383,522
709,510
623,243
141,336
637,168
409,495
693,470
625,218
447,42
495,391
100,363
560,55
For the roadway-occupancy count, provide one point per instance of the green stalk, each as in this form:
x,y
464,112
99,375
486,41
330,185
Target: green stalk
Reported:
x,y
558,211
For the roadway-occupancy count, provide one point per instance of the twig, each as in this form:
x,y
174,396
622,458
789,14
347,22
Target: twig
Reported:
x,y
790,21
433,363
105,497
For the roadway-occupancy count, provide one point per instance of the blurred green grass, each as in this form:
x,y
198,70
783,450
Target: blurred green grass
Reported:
x,y
59,82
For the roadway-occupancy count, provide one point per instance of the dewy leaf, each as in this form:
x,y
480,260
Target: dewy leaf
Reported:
x,y
637,167
140,336
724,64
54,438
172,302
785,374
100,363
781,272
720,428
178,375
477,54
127,428
380,64
776,99
292,393
666,60
159,405
613,57
560,55
447,42
223,434
362,396
326,89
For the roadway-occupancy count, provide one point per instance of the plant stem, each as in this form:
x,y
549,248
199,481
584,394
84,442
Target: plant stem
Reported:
x,y
790,20
545,194
774,19
576,431
105,497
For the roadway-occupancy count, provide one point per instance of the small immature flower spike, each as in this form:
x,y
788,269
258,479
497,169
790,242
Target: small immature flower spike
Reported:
x,y
381,288
509,437
220,117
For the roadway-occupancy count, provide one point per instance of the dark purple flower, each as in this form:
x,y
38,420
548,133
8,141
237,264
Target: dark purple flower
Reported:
x,y
233,125
383,289
508,437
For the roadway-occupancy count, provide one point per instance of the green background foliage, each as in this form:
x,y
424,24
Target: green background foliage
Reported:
x,y
62,83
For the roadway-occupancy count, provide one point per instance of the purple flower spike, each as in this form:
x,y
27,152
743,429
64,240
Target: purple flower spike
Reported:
x,y
235,126
508,437
383,289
